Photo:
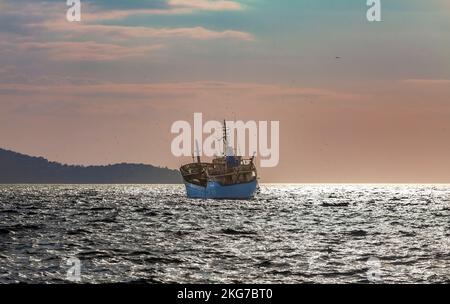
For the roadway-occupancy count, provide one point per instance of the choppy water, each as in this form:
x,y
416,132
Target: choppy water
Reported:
x,y
288,234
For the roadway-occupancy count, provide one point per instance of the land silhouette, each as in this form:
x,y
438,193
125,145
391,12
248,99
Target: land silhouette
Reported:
x,y
17,168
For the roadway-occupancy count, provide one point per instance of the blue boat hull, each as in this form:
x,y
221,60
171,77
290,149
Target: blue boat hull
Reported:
x,y
216,191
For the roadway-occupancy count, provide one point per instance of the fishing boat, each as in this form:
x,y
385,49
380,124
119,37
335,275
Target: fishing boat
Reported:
x,y
226,177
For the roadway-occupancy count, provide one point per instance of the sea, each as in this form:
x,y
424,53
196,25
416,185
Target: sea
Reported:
x,y
153,234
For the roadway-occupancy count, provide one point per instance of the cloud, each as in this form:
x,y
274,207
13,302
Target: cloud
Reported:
x,y
87,51
206,5
428,81
93,50
10,74
97,12
209,90
131,32
106,42
42,28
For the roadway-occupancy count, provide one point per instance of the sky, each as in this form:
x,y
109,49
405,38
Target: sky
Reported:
x,y
357,101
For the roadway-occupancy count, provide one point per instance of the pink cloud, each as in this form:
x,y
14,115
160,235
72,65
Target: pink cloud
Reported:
x,y
129,32
86,51
87,41
428,81
206,5
210,90
176,7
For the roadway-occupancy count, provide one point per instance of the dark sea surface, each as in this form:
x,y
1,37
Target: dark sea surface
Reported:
x,y
287,234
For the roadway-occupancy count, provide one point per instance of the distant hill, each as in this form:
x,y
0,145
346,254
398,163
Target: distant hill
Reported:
x,y
24,169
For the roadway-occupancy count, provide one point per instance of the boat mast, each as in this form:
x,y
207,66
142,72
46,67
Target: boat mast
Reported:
x,y
225,140
198,152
